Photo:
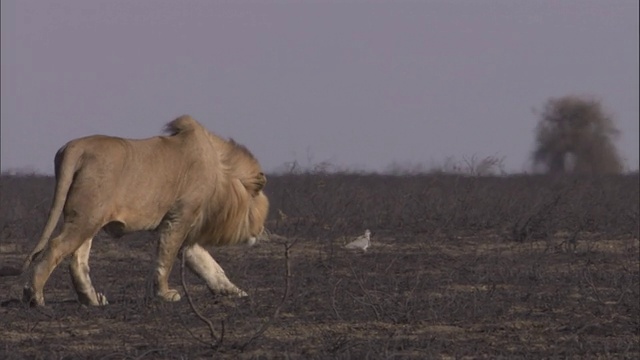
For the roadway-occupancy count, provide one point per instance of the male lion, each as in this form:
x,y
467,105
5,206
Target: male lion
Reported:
x,y
192,186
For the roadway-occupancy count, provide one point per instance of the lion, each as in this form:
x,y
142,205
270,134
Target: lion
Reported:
x,y
191,186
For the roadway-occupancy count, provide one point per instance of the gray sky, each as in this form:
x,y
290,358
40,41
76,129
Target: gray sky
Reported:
x,y
360,84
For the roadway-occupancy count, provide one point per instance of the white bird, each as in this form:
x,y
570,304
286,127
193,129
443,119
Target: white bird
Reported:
x,y
361,242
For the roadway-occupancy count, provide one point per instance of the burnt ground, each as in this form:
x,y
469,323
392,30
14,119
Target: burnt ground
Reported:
x,y
460,267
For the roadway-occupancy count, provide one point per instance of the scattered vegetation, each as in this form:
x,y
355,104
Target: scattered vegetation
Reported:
x,y
460,266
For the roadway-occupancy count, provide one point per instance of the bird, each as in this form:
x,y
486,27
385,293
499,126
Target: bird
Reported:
x,y
361,242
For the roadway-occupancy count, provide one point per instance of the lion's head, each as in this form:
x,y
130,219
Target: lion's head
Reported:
x,y
237,197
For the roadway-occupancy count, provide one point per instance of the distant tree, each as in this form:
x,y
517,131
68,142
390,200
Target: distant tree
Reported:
x,y
574,135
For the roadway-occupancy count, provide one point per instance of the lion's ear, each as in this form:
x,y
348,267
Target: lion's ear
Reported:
x,y
261,181
256,184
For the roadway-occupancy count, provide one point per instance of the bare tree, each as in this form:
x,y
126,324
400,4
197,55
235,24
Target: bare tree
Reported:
x,y
575,135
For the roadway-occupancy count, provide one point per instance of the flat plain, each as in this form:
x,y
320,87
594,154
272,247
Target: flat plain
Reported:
x,y
459,267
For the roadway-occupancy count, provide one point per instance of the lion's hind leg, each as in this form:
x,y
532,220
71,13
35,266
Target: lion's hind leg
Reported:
x,y
79,269
202,263
168,248
67,242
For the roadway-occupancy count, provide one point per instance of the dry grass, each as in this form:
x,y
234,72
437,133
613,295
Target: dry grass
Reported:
x,y
445,276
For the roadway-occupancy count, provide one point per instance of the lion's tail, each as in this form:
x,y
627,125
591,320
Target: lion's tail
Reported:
x,y
66,162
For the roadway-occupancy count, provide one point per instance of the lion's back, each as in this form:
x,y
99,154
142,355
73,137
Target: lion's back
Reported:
x,y
123,178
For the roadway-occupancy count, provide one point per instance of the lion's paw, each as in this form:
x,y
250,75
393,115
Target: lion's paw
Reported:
x,y
240,294
235,293
30,297
231,293
93,299
102,300
170,295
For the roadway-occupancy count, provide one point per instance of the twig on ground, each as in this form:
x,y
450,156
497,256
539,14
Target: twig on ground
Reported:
x,y
333,301
370,302
285,296
215,344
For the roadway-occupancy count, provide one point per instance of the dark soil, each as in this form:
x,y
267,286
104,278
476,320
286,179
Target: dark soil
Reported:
x,y
459,267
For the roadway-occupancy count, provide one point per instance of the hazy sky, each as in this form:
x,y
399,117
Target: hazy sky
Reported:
x,y
360,84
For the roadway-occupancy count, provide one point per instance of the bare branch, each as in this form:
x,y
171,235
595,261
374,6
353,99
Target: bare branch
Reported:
x,y
215,343
285,296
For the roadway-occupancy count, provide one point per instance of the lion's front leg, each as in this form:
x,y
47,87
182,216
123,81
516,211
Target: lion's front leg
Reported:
x,y
200,261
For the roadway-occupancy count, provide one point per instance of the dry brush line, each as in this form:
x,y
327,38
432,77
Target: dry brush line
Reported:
x,y
533,224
